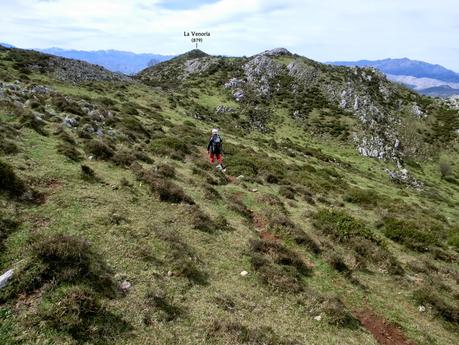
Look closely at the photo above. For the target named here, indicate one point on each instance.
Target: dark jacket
(215, 144)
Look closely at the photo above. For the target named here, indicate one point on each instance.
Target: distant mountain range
(6, 45)
(426, 78)
(113, 60)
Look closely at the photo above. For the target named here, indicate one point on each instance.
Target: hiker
(214, 148)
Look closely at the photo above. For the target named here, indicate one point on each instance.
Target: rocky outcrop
(199, 65)
(259, 72)
(41, 104)
(453, 102)
(402, 176)
(276, 52)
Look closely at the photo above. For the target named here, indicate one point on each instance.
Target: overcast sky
(323, 30)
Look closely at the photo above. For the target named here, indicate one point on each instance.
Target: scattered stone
(125, 286)
(404, 177)
(234, 83)
(244, 273)
(5, 277)
(70, 121)
(222, 109)
(422, 309)
(318, 317)
(238, 95)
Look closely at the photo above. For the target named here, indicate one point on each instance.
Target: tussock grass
(60, 259)
(10, 182)
(277, 266)
(427, 296)
(77, 311)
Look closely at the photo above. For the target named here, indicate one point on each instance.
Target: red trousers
(212, 157)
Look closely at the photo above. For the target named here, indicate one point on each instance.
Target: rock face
(260, 71)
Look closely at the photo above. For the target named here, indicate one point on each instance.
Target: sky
(324, 30)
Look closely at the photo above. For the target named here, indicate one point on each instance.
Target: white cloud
(322, 30)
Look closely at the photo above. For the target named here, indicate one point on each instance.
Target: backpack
(216, 144)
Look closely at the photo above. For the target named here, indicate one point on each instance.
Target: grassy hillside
(120, 231)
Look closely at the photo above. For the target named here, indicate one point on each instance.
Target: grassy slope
(136, 251)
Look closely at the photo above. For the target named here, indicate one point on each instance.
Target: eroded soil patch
(383, 331)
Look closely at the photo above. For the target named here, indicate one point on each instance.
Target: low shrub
(124, 158)
(334, 310)
(243, 335)
(453, 237)
(201, 221)
(9, 182)
(281, 224)
(65, 136)
(427, 296)
(225, 302)
(8, 147)
(77, 311)
(183, 259)
(170, 192)
(210, 192)
(445, 169)
(342, 226)
(409, 233)
(7, 227)
(238, 206)
(368, 251)
(69, 151)
(336, 261)
(287, 192)
(88, 173)
(174, 147)
(273, 200)
(364, 197)
(277, 266)
(60, 259)
(165, 170)
(160, 309)
(29, 119)
(67, 105)
(143, 156)
(100, 149)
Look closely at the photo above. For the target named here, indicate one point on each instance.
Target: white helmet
(215, 131)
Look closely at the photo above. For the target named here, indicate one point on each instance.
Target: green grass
(184, 261)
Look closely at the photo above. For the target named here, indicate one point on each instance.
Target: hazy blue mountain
(113, 60)
(440, 91)
(406, 66)
(6, 45)
(426, 78)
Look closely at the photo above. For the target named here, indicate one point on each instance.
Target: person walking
(215, 149)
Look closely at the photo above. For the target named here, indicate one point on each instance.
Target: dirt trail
(384, 332)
